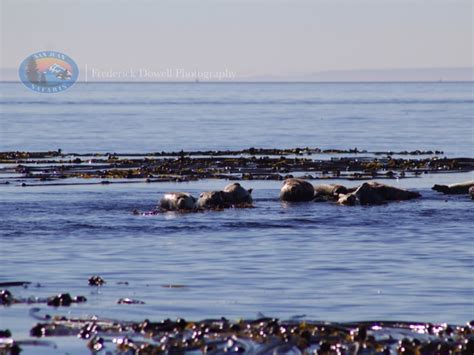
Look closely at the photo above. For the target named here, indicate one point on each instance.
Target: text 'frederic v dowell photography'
(92, 73)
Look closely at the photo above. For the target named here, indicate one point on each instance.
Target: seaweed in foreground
(247, 164)
(62, 299)
(260, 336)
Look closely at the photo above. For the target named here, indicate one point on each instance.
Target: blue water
(151, 117)
(407, 261)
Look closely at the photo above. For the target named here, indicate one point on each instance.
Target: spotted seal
(454, 189)
(173, 201)
(296, 190)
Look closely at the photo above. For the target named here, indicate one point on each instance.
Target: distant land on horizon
(358, 75)
(409, 74)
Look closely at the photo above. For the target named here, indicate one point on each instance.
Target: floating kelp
(262, 336)
(96, 281)
(160, 211)
(35, 168)
(62, 299)
(17, 155)
(129, 301)
(15, 283)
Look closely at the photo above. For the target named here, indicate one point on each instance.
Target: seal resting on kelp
(455, 189)
(235, 194)
(173, 201)
(296, 190)
(374, 193)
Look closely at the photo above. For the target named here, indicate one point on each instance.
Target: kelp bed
(53, 167)
(214, 336)
(259, 336)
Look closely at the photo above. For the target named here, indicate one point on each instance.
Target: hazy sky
(258, 37)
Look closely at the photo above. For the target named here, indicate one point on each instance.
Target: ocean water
(154, 117)
(402, 261)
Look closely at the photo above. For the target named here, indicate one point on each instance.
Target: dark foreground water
(403, 261)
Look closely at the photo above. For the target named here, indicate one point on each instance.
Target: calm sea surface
(154, 117)
(405, 261)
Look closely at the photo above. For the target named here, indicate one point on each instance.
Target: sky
(249, 38)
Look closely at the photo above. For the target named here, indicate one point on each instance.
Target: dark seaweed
(63, 299)
(263, 335)
(96, 281)
(34, 168)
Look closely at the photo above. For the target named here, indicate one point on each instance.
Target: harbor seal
(235, 194)
(211, 199)
(364, 195)
(173, 201)
(373, 193)
(330, 190)
(296, 190)
(454, 189)
(391, 193)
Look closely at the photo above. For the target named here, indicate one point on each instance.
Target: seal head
(177, 201)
